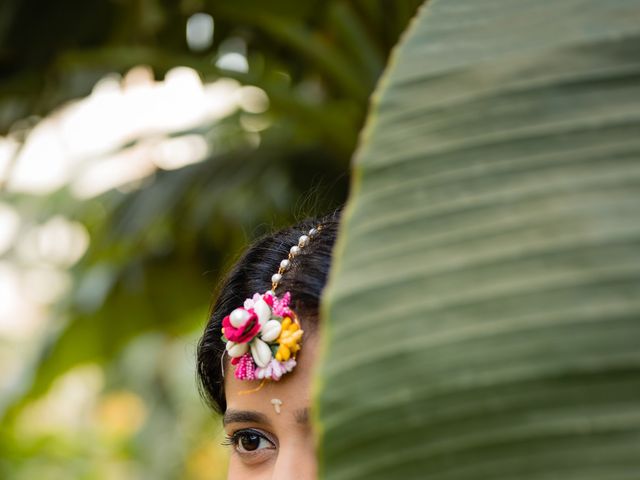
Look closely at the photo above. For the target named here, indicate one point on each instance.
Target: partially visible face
(266, 444)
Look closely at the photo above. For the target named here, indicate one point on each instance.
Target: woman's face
(266, 444)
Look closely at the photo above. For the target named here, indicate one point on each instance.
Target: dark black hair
(305, 279)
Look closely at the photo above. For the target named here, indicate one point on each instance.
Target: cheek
(294, 458)
(297, 457)
(242, 470)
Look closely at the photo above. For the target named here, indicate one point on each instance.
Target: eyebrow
(244, 416)
(249, 416)
(302, 416)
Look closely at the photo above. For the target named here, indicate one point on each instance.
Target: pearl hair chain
(285, 264)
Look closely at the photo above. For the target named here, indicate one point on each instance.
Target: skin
(281, 446)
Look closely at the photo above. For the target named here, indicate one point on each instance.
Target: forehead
(293, 390)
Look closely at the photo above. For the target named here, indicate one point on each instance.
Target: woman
(256, 357)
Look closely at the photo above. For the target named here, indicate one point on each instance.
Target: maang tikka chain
(285, 264)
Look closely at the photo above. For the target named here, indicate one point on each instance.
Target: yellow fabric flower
(289, 340)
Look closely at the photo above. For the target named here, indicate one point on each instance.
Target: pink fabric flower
(250, 302)
(245, 332)
(275, 369)
(281, 306)
(268, 298)
(245, 368)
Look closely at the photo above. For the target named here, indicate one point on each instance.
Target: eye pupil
(250, 441)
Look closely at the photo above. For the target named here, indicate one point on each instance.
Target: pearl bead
(313, 232)
(276, 277)
(295, 250)
(239, 317)
(303, 240)
(284, 264)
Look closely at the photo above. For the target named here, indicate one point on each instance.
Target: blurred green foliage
(140, 294)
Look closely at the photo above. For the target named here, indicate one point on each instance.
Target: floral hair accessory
(263, 337)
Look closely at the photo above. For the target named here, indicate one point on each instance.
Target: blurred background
(143, 143)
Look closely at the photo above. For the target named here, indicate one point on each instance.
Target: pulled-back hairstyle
(305, 279)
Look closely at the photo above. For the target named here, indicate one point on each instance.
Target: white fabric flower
(271, 330)
(260, 352)
(263, 311)
(236, 349)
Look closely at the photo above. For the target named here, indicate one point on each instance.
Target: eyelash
(233, 440)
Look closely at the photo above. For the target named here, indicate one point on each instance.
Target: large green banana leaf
(482, 318)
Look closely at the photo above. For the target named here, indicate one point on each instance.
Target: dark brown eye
(249, 441)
